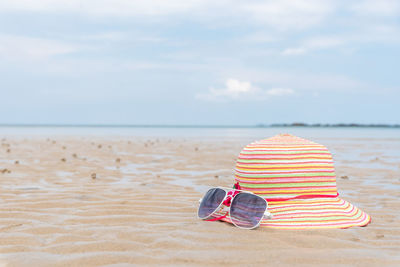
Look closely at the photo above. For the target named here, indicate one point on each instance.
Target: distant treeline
(295, 124)
(300, 124)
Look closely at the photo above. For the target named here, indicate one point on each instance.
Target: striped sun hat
(297, 178)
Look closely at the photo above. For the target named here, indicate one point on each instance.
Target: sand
(116, 201)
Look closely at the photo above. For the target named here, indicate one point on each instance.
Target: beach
(115, 200)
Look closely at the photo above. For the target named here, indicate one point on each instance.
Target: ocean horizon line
(297, 125)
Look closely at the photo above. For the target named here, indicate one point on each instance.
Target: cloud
(382, 8)
(303, 81)
(289, 14)
(294, 51)
(374, 34)
(233, 90)
(104, 7)
(13, 47)
(238, 90)
(281, 15)
(279, 91)
(259, 37)
(316, 43)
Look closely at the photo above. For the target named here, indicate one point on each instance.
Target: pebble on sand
(118, 160)
(74, 155)
(99, 146)
(16, 162)
(8, 150)
(63, 159)
(5, 171)
(93, 175)
(344, 177)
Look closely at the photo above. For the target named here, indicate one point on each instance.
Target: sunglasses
(246, 210)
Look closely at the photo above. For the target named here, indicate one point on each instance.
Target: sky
(199, 62)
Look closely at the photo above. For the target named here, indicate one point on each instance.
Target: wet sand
(115, 201)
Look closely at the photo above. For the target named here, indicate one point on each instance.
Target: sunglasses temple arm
(267, 215)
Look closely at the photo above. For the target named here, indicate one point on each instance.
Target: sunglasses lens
(211, 202)
(247, 210)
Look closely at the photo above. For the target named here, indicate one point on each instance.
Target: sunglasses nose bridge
(229, 198)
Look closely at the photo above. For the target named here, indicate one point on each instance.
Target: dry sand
(116, 201)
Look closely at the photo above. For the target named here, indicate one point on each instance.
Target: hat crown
(286, 166)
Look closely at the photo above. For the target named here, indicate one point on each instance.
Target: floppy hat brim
(315, 213)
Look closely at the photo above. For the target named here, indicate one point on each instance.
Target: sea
(356, 147)
(206, 132)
